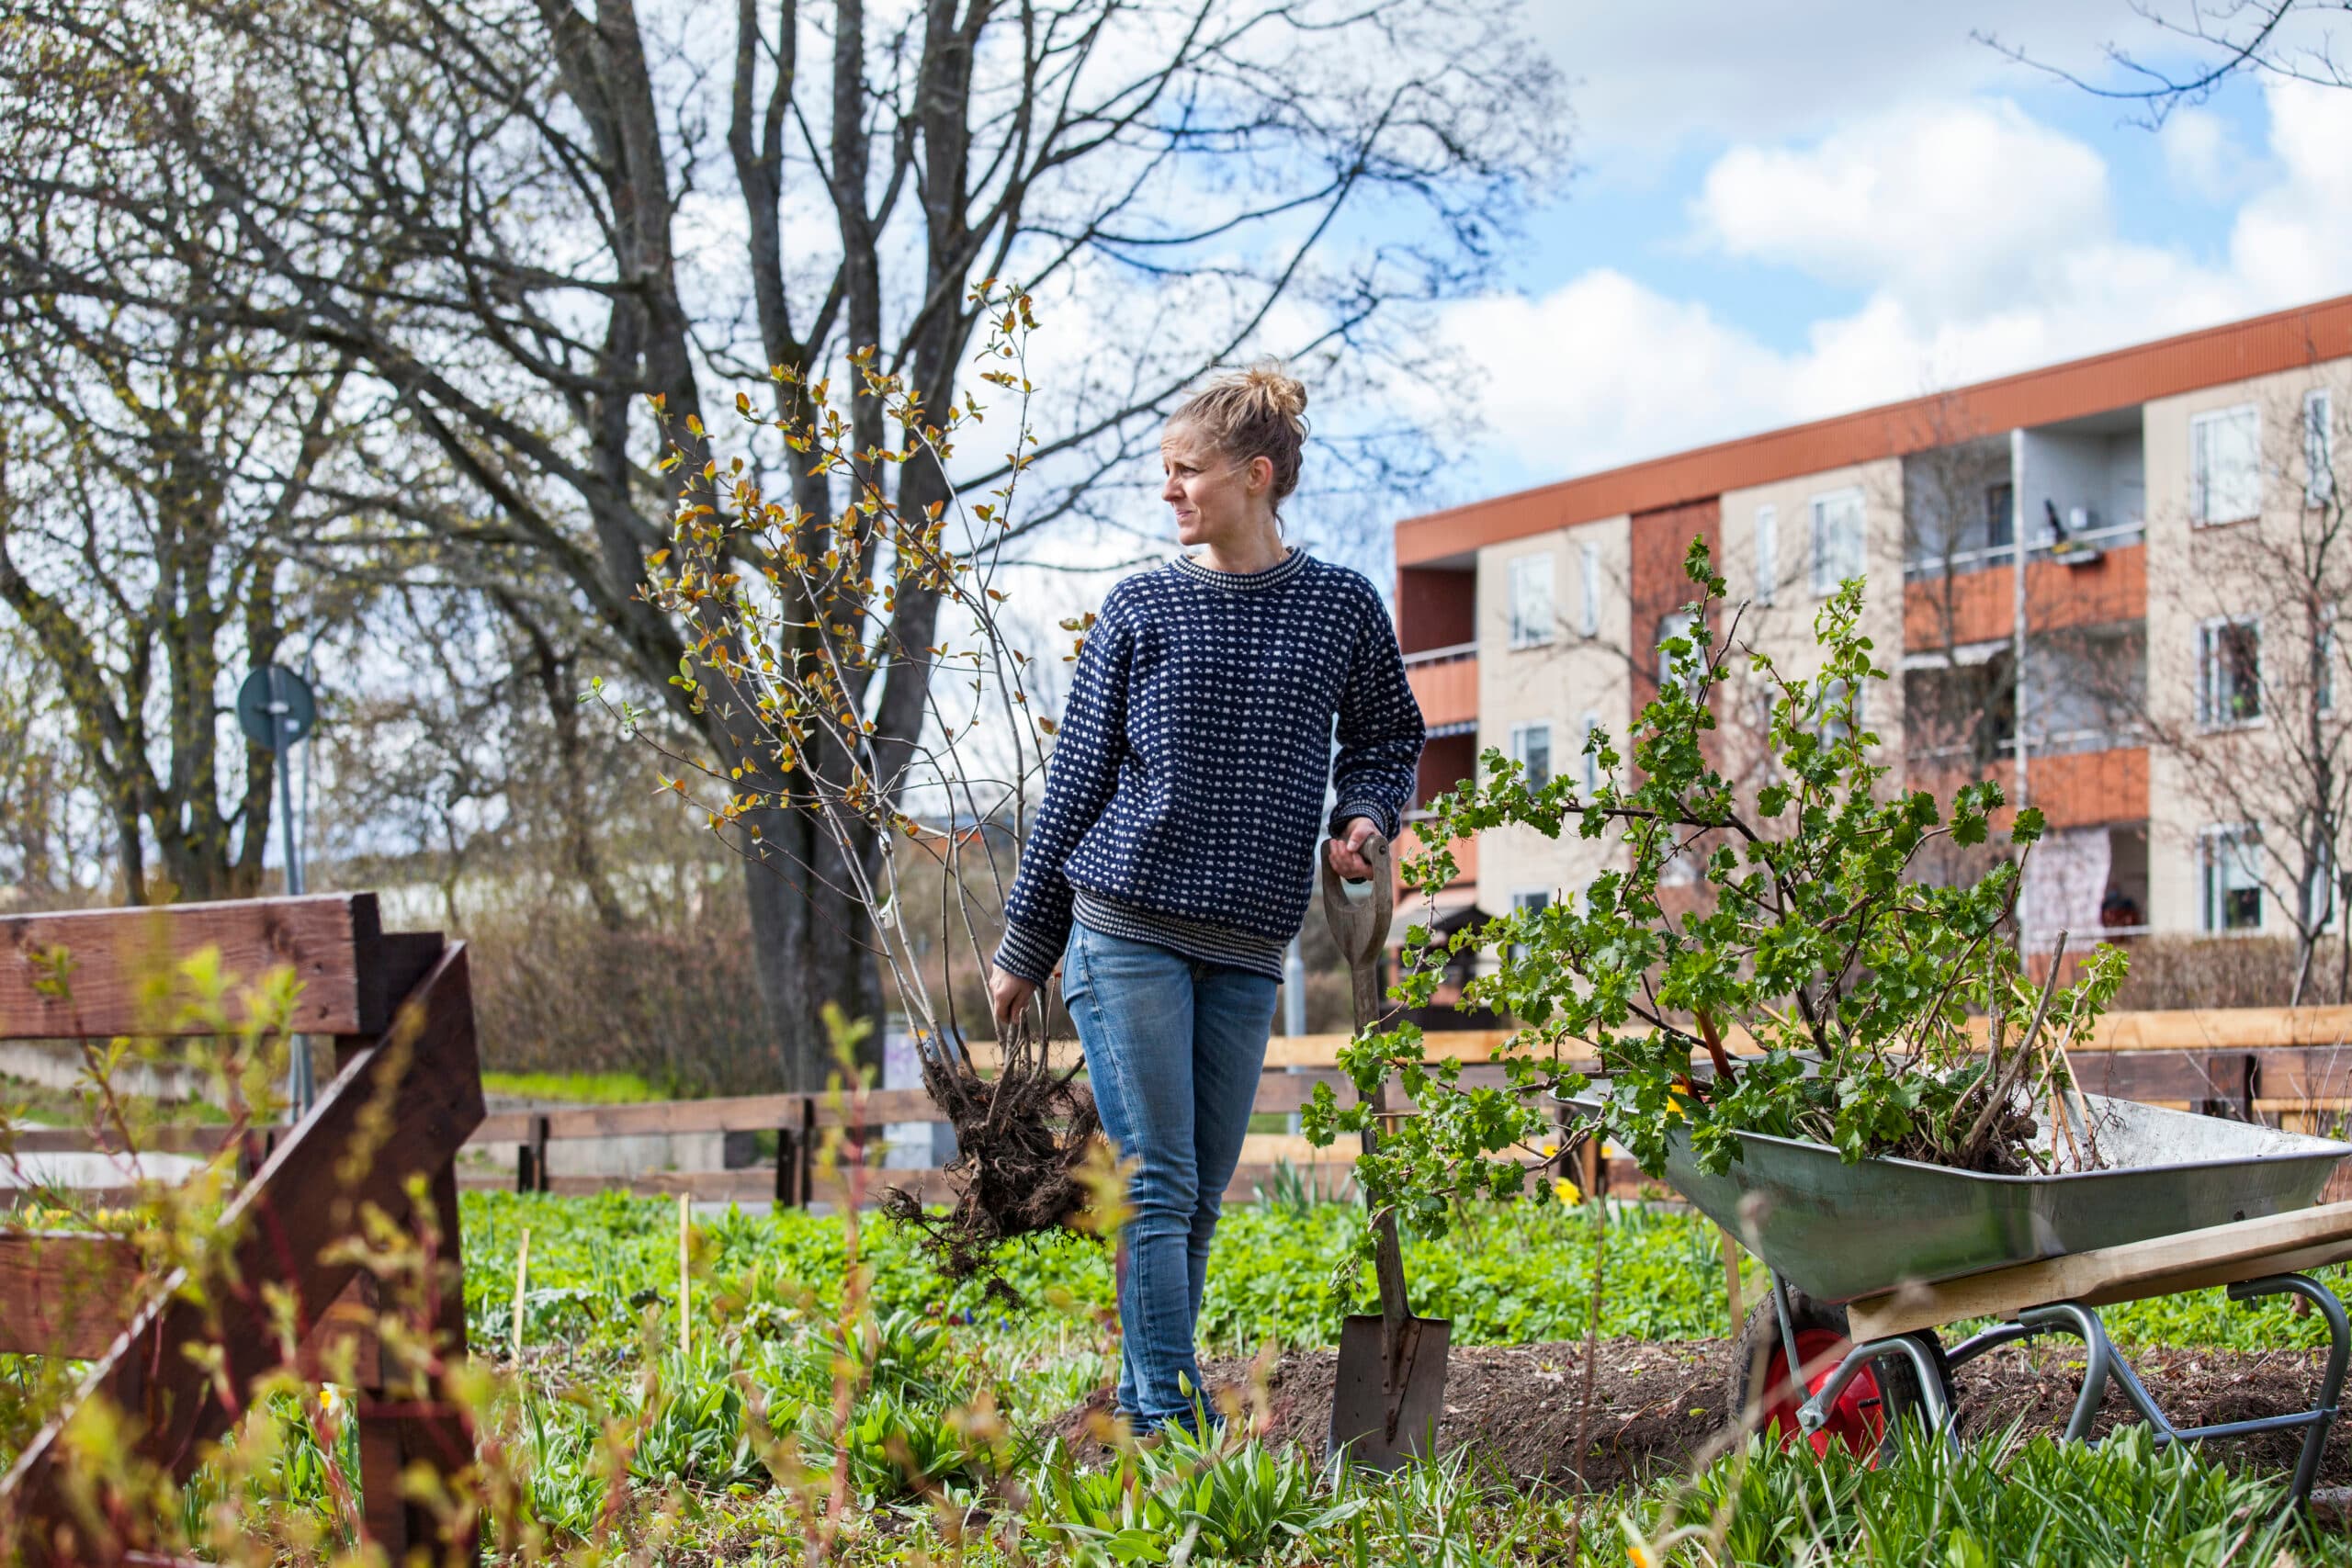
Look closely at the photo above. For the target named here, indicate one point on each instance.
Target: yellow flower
(331, 1399)
(1567, 1192)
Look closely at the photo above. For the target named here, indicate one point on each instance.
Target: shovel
(1391, 1385)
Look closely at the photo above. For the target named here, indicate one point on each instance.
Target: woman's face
(1217, 501)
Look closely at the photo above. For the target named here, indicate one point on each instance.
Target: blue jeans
(1173, 1049)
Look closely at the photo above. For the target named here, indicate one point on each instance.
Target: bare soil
(1658, 1405)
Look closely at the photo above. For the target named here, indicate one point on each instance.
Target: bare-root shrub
(795, 620)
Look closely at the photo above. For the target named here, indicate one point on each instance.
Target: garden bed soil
(1658, 1405)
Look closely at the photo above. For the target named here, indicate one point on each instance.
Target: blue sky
(1786, 210)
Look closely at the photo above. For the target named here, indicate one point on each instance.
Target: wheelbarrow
(1869, 1260)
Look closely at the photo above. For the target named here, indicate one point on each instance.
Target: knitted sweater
(1183, 799)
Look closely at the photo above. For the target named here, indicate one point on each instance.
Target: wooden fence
(2289, 1067)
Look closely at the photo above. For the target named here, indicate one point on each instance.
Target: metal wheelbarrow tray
(1903, 1248)
(1839, 1232)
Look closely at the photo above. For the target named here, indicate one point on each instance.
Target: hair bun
(1282, 393)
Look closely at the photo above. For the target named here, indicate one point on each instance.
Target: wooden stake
(522, 1275)
(1731, 1280)
(685, 1256)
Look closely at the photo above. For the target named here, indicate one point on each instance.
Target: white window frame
(1519, 734)
(1672, 625)
(1523, 898)
(2210, 888)
(2209, 694)
(1768, 552)
(1832, 691)
(1588, 617)
(1827, 575)
(2202, 501)
(2319, 447)
(2324, 698)
(1529, 582)
(1585, 759)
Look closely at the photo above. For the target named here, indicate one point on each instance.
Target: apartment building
(2109, 583)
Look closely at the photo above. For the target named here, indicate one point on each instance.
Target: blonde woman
(1173, 856)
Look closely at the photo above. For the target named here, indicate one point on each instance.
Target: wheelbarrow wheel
(1863, 1419)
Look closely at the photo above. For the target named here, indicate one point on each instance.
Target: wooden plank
(2114, 1273)
(65, 1292)
(196, 1138)
(415, 1101)
(85, 973)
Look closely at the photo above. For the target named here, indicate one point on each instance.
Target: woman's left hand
(1344, 853)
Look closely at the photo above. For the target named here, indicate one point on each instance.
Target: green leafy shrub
(1809, 929)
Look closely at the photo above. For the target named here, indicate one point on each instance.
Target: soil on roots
(1020, 1139)
(1660, 1406)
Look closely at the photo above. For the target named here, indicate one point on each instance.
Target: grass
(946, 1454)
(584, 1089)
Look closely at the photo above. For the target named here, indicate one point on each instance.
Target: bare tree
(157, 445)
(544, 228)
(2218, 39)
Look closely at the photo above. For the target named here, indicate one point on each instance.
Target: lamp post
(275, 708)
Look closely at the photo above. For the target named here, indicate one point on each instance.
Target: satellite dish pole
(275, 708)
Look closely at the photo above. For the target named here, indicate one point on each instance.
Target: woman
(1172, 858)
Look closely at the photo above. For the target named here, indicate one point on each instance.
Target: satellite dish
(275, 707)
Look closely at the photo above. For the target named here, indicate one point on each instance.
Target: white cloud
(1649, 77)
(2201, 153)
(1953, 205)
(1980, 243)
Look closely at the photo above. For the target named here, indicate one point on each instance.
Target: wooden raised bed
(401, 1012)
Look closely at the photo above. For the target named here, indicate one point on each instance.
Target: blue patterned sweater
(1184, 794)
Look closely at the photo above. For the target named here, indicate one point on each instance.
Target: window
(2229, 673)
(1588, 621)
(1834, 726)
(1530, 600)
(1837, 540)
(1530, 748)
(1768, 552)
(2318, 447)
(2000, 516)
(1678, 624)
(1585, 727)
(2224, 466)
(1528, 901)
(2323, 655)
(2233, 878)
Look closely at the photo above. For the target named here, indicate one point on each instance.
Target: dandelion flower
(1567, 1192)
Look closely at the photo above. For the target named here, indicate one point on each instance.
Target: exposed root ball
(1019, 1138)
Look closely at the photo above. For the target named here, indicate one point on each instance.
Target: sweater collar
(1282, 571)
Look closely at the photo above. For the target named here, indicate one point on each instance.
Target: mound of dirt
(1657, 1406)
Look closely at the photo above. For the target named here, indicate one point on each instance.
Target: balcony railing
(2074, 550)
(1446, 655)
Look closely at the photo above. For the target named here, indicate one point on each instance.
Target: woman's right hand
(1008, 996)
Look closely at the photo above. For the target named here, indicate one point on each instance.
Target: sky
(1788, 210)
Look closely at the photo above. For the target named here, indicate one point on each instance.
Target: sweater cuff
(1381, 818)
(1029, 953)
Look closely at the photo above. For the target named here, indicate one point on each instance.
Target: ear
(1260, 473)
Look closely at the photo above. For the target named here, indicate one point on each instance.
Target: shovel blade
(1362, 1395)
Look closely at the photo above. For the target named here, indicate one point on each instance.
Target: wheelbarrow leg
(1813, 1415)
(1787, 1317)
(2331, 1381)
(2099, 1363)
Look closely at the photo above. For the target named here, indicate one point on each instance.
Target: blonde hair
(1257, 412)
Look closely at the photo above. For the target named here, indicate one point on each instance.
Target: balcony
(1445, 684)
(2097, 578)
(2074, 789)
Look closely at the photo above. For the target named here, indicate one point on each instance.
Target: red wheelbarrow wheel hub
(1859, 1417)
